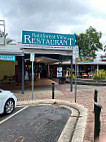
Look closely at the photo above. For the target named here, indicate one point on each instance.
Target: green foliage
(88, 42)
(101, 75)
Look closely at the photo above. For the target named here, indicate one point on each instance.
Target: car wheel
(9, 106)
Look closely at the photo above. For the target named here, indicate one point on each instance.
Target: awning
(44, 60)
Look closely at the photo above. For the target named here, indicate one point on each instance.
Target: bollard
(59, 80)
(97, 120)
(53, 90)
(95, 97)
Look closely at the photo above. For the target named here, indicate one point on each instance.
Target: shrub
(101, 75)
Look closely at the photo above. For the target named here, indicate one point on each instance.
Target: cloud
(63, 16)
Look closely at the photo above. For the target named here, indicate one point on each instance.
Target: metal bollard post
(53, 90)
(97, 120)
(95, 97)
(59, 80)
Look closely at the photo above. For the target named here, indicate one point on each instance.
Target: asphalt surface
(43, 123)
(4, 116)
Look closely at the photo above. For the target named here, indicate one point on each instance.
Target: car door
(1, 103)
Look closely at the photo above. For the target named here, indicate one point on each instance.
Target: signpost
(7, 57)
(76, 55)
(32, 57)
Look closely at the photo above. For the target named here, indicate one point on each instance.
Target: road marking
(21, 138)
(13, 115)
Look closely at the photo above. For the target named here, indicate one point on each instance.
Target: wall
(7, 68)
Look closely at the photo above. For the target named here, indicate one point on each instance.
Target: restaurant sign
(7, 57)
(47, 39)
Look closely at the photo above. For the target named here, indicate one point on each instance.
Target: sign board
(59, 71)
(75, 52)
(7, 57)
(32, 57)
(47, 39)
(84, 59)
(103, 58)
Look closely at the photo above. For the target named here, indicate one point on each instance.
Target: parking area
(34, 123)
(85, 97)
(4, 116)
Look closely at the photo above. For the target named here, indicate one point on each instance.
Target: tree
(88, 42)
(1, 33)
(7, 40)
(105, 48)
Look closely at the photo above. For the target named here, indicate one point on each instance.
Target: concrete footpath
(85, 97)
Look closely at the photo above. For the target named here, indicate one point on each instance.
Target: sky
(55, 16)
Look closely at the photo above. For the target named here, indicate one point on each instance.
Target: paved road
(4, 116)
(42, 123)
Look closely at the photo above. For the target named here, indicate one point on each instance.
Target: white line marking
(13, 115)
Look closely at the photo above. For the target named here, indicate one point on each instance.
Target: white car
(7, 101)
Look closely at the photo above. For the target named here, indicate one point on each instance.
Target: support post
(53, 90)
(71, 78)
(75, 80)
(59, 77)
(48, 70)
(22, 74)
(32, 58)
(32, 78)
(97, 69)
